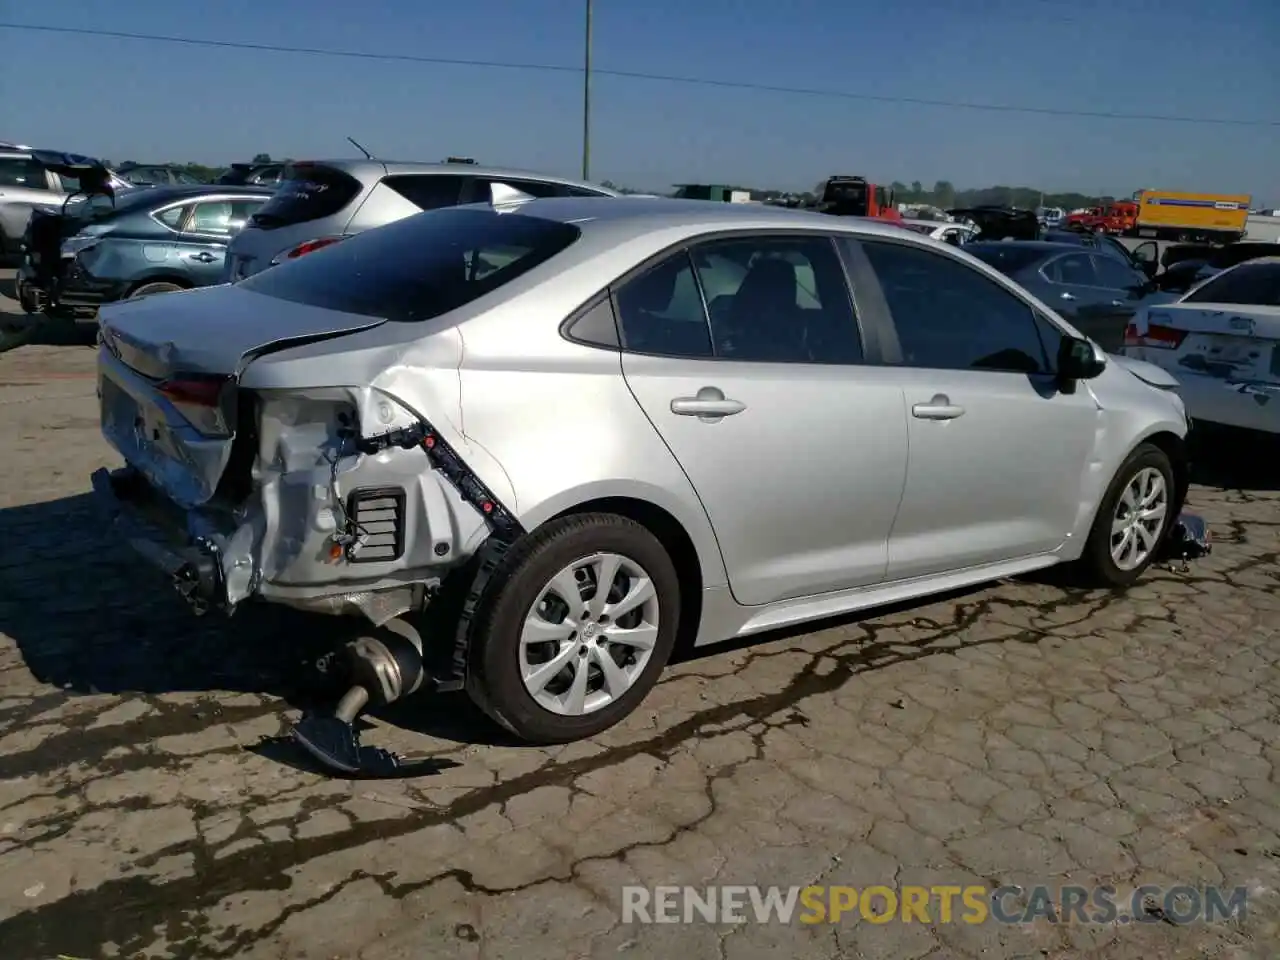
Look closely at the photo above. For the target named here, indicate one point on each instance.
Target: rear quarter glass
(308, 191)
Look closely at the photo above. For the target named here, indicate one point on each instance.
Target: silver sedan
(601, 424)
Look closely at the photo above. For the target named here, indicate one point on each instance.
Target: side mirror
(1079, 359)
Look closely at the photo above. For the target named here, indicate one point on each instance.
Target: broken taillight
(1155, 335)
(199, 400)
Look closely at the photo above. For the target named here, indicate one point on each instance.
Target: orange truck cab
(848, 196)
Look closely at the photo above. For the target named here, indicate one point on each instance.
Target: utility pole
(586, 102)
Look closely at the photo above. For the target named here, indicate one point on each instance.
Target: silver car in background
(321, 202)
(616, 421)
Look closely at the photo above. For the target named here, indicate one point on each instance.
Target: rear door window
(778, 300)
(1075, 269)
(309, 191)
(661, 311)
(418, 268)
(427, 191)
(1114, 275)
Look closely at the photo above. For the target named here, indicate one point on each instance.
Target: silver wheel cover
(1139, 519)
(589, 634)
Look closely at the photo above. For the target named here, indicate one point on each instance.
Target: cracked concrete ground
(1019, 734)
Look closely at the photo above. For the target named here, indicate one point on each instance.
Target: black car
(152, 241)
(1144, 257)
(253, 174)
(1000, 223)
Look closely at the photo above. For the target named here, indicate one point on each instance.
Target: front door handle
(1066, 295)
(709, 405)
(204, 257)
(1119, 303)
(939, 408)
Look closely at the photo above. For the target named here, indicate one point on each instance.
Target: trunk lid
(1237, 342)
(168, 372)
(218, 330)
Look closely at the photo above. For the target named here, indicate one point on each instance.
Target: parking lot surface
(1023, 734)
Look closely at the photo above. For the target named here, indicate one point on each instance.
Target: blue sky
(126, 99)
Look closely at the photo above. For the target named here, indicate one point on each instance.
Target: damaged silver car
(596, 425)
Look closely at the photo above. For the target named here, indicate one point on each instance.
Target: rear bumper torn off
(194, 563)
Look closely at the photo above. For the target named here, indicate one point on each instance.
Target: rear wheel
(1132, 520)
(158, 287)
(577, 630)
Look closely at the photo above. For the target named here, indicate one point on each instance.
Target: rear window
(1007, 258)
(1250, 283)
(307, 192)
(418, 268)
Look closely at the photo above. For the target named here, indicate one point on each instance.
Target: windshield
(1008, 258)
(418, 268)
(1255, 284)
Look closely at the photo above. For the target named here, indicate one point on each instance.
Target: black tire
(1096, 565)
(160, 286)
(493, 678)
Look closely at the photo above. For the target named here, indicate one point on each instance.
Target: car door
(746, 355)
(1076, 291)
(207, 230)
(998, 453)
(1125, 288)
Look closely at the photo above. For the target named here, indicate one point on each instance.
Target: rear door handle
(1119, 303)
(1067, 296)
(204, 257)
(939, 408)
(709, 405)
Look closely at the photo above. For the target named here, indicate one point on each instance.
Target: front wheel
(1132, 520)
(579, 625)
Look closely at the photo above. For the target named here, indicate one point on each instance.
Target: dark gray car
(1097, 292)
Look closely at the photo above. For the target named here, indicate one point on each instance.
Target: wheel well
(177, 281)
(672, 536)
(1175, 448)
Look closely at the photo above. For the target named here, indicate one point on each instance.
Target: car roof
(361, 168)
(648, 214)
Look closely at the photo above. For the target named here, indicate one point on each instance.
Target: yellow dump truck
(1191, 217)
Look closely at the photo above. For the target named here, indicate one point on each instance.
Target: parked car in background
(1190, 264)
(1222, 342)
(1000, 223)
(33, 178)
(726, 353)
(157, 175)
(1050, 216)
(151, 241)
(319, 203)
(253, 174)
(1097, 292)
(956, 234)
(1143, 257)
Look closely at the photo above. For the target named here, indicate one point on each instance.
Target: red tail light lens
(1160, 337)
(198, 399)
(311, 246)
